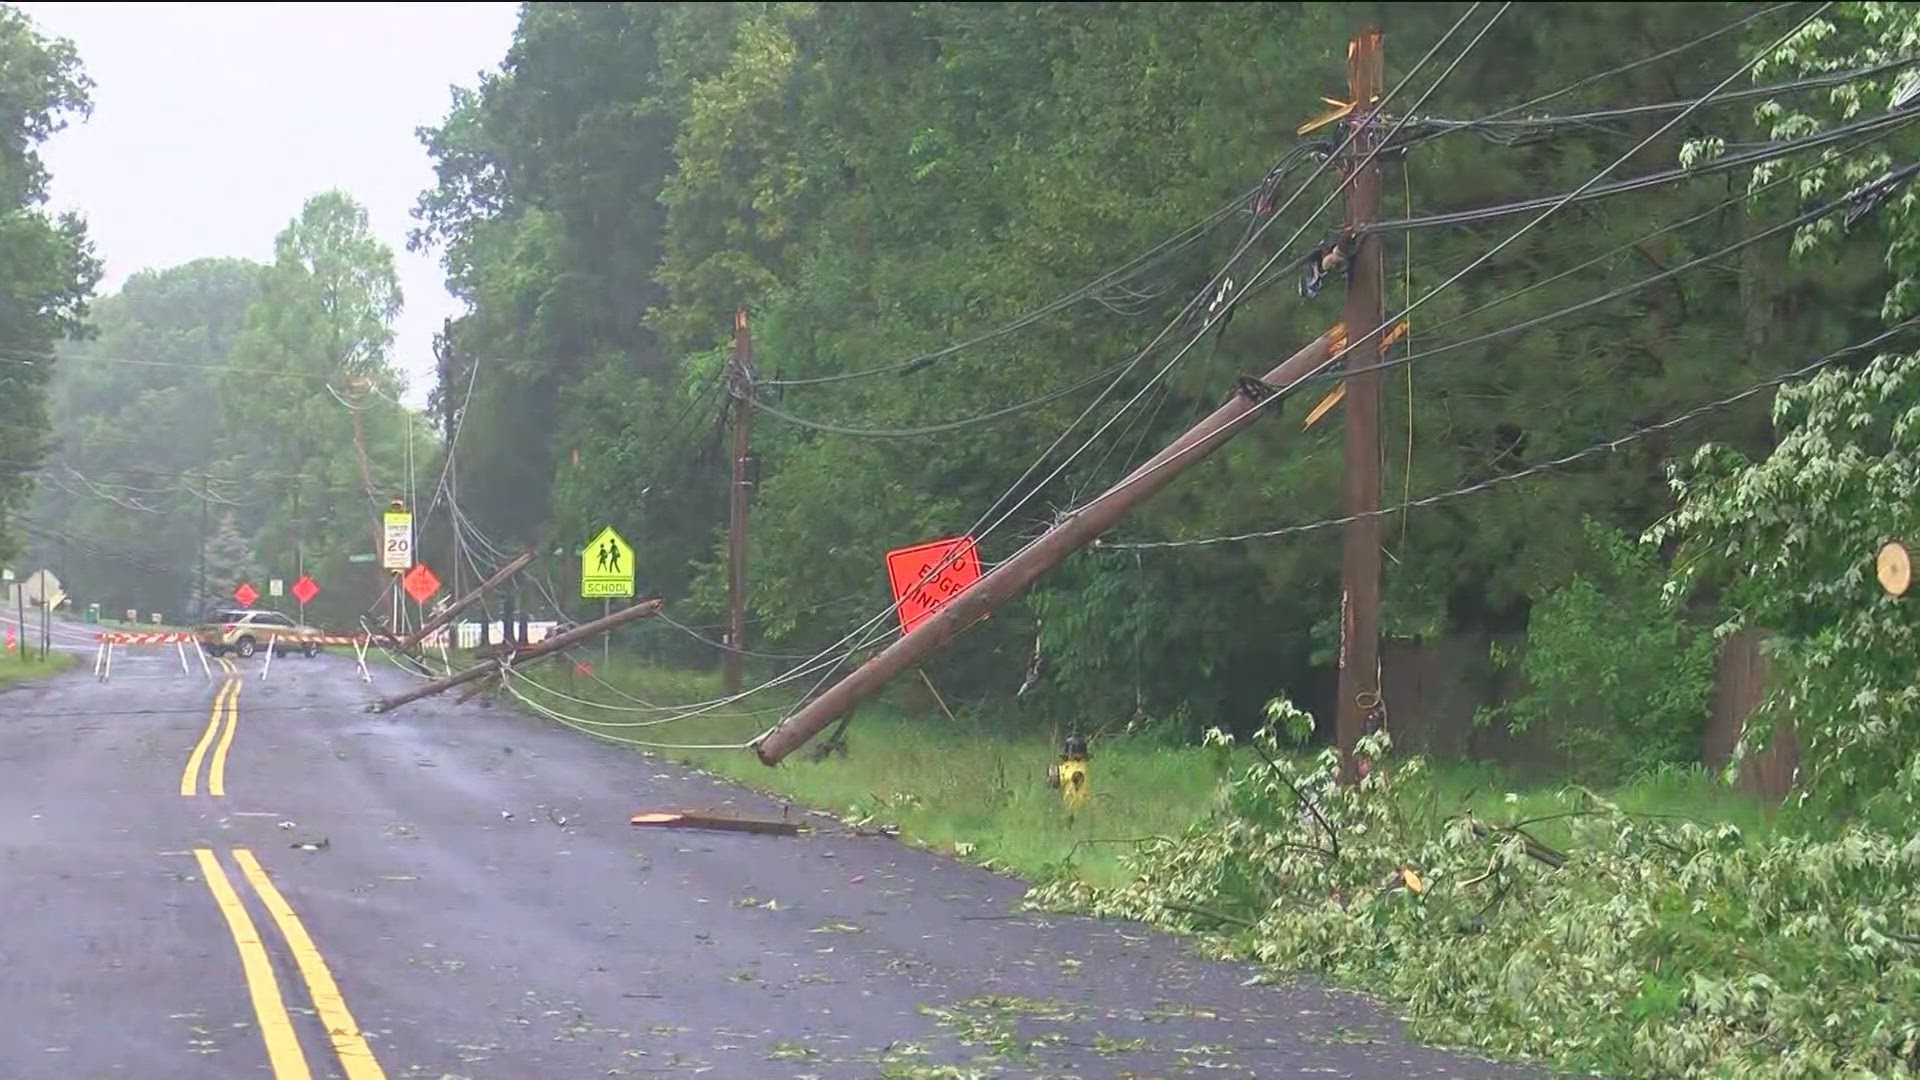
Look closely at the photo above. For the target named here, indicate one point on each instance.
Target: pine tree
(230, 561)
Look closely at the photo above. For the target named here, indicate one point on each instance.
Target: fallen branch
(1214, 915)
(1535, 850)
(1333, 838)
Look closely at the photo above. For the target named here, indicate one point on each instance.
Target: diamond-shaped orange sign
(246, 594)
(305, 589)
(420, 583)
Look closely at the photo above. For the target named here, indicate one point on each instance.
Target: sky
(213, 123)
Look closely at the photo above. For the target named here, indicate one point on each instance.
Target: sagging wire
(1595, 449)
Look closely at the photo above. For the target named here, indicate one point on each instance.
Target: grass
(14, 670)
(977, 790)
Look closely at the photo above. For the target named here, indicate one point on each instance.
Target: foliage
(1795, 536)
(1788, 539)
(1629, 945)
(230, 561)
(47, 268)
(1611, 668)
(139, 434)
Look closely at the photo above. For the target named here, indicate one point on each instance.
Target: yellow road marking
(217, 772)
(190, 776)
(276, 1027)
(356, 1058)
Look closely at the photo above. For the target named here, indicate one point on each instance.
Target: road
(236, 877)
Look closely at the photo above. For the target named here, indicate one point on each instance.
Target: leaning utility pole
(740, 375)
(1078, 530)
(1360, 491)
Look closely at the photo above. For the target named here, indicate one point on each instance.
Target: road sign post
(606, 567)
(304, 590)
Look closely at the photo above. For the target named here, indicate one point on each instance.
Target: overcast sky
(212, 123)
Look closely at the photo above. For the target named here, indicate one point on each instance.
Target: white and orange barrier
(110, 639)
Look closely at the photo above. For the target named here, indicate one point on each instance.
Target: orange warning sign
(917, 602)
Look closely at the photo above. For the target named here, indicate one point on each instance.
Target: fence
(1435, 688)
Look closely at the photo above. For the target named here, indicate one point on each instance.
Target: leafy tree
(138, 432)
(47, 268)
(1789, 538)
(312, 423)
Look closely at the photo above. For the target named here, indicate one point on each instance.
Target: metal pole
(1360, 490)
(1024, 567)
(741, 371)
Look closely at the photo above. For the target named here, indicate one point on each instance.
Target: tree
(136, 440)
(47, 268)
(1788, 539)
(230, 562)
(312, 424)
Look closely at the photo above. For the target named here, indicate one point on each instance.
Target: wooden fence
(1435, 688)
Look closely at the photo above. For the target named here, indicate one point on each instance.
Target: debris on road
(687, 819)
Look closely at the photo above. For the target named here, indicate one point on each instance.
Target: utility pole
(200, 594)
(1078, 530)
(740, 374)
(1360, 490)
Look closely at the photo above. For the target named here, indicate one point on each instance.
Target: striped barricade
(108, 639)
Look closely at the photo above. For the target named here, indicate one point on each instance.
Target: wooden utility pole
(557, 643)
(1360, 491)
(740, 374)
(1078, 530)
(447, 615)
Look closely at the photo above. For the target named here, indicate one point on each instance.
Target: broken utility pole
(1360, 490)
(740, 375)
(513, 567)
(556, 643)
(1024, 567)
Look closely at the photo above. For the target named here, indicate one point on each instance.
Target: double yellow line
(284, 1055)
(226, 707)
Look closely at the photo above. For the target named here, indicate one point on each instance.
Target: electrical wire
(1564, 460)
(1353, 342)
(1590, 192)
(1512, 132)
(1179, 241)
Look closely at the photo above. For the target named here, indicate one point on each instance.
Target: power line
(1514, 132)
(1593, 450)
(1591, 192)
(1260, 405)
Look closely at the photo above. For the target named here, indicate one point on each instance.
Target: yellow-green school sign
(606, 566)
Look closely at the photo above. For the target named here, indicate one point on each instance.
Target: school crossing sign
(606, 566)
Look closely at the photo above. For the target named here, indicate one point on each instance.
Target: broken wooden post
(556, 643)
(513, 567)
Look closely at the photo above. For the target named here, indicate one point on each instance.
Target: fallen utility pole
(740, 373)
(1360, 487)
(1065, 538)
(556, 643)
(513, 567)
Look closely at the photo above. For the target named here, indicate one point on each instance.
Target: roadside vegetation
(14, 670)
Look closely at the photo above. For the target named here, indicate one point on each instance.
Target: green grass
(955, 786)
(13, 669)
(978, 791)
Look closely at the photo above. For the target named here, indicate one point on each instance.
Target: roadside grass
(979, 791)
(957, 786)
(14, 670)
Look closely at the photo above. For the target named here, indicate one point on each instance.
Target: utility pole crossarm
(1023, 568)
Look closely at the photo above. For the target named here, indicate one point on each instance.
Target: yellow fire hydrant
(1069, 774)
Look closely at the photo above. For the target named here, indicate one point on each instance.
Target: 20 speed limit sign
(397, 552)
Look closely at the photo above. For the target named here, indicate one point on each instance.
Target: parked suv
(246, 632)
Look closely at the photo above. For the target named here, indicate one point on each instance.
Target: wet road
(230, 877)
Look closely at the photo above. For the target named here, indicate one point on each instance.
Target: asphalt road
(234, 878)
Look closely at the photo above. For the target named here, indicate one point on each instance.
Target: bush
(1622, 677)
(1599, 939)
